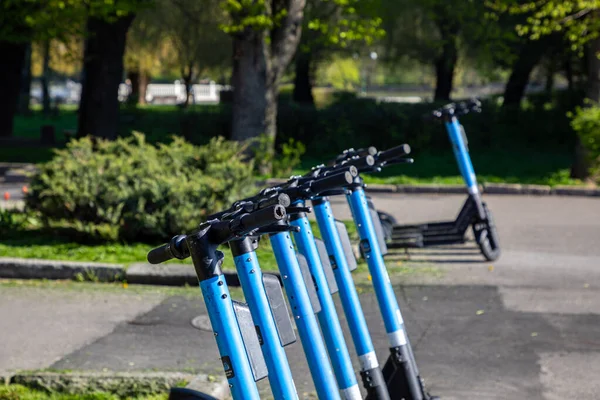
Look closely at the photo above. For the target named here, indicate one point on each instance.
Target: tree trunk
(568, 66)
(259, 60)
(446, 62)
(13, 58)
(529, 56)
(187, 82)
(581, 165)
(102, 74)
(143, 86)
(134, 79)
(25, 95)
(46, 77)
(550, 70)
(251, 95)
(302, 81)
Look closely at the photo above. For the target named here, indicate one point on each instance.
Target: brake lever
(334, 192)
(276, 229)
(297, 210)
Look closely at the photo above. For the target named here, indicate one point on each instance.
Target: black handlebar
(176, 248)
(255, 220)
(393, 153)
(332, 181)
(455, 109)
(220, 232)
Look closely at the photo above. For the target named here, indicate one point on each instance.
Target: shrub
(586, 123)
(148, 191)
(283, 161)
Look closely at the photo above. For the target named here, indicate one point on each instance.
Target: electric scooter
(474, 212)
(400, 372)
(232, 322)
(325, 275)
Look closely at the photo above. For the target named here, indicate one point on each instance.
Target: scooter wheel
(387, 223)
(486, 236)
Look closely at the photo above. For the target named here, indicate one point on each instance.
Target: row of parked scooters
(251, 336)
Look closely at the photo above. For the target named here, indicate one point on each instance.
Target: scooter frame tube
(306, 322)
(370, 370)
(229, 339)
(463, 159)
(328, 319)
(251, 281)
(384, 291)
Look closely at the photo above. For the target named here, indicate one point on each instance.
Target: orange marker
(25, 189)
(6, 195)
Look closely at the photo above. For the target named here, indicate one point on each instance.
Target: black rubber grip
(160, 254)
(260, 218)
(281, 199)
(176, 248)
(338, 169)
(362, 163)
(329, 182)
(394, 152)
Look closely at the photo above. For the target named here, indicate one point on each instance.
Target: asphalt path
(524, 327)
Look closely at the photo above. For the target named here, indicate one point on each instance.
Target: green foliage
(577, 19)
(284, 161)
(288, 157)
(24, 20)
(340, 24)
(147, 191)
(18, 392)
(342, 73)
(586, 123)
(359, 122)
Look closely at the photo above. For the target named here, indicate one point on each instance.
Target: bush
(359, 122)
(586, 123)
(149, 192)
(285, 159)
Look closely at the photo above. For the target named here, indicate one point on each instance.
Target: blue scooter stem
(370, 370)
(229, 339)
(304, 316)
(388, 304)
(330, 324)
(251, 281)
(463, 159)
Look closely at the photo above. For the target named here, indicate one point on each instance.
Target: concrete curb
(139, 273)
(124, 384)
(32, 268)
(489, 188)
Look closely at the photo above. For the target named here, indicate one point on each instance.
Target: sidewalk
(470, 341)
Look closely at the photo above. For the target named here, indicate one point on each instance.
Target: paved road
(527, 328)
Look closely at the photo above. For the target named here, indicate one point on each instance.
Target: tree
(106, 35)
(15, 38)
(265, 37)
(431, 31)
(192, 29)
(145, 41)
(332, 27)
(579, 22)
(102, 73)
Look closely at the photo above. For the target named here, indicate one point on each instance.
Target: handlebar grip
(331, 182)
(160, 254)
(361, 163)
(262, 217)
(393, 153)
(174, 249)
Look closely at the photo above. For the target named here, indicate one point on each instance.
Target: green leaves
(578, 19)
(146, 191)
